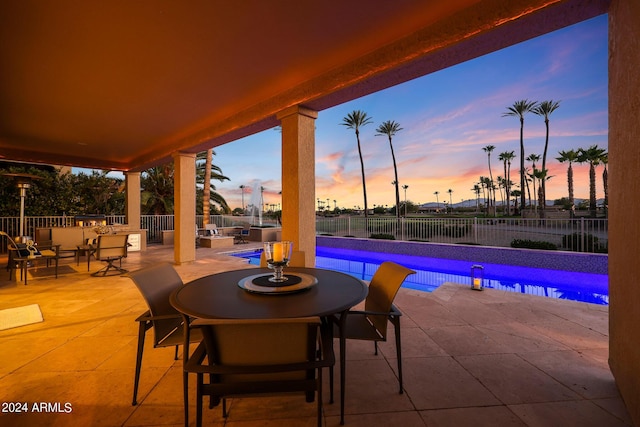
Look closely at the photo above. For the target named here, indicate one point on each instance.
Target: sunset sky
(447, 118)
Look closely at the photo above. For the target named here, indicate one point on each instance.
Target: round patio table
(219, 296)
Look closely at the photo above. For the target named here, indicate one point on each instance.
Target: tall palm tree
(506, 157)
(476, 189)
(390, 128)
(593, 156)
(157, 190)
(488, 149)
(355, 120)
(450, 191)
(533, 158)
(605, 182)
(544, 109)
(206, 190)
(519, 109)
(209, 193)
(569, 156)
(541, 176)
(437, 201)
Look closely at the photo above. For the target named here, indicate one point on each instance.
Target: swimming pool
(433, 272)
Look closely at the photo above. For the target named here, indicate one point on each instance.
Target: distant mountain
(471, 203)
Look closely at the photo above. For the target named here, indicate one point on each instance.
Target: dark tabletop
(219, 296)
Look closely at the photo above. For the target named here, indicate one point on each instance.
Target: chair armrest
(394, 311)
(146, 316)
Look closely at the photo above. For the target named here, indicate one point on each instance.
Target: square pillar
(299, 180)
(624, 207)
(184, 242)
(132, 200)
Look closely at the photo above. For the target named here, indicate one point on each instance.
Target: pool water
(433, 272)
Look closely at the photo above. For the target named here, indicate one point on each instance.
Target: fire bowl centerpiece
(277, 255)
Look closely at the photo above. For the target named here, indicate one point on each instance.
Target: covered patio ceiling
(123, 84)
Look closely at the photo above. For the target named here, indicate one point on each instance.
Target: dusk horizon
(447, 118)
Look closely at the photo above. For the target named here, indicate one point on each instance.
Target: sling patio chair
(371, 323)
(111, 248)
(242, 357)
(156, 283)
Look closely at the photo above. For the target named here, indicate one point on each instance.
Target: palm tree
(206, 190)
(506, 157)
(605, 182)
(476, 189)
(390, 128)
(570, 157)
(593, 156)
(355, 120)
(519, 109)
(450, 191)
(541, 176)
(544, 109)
(533, 158)
(209, 193)
(516, 194)
(157, 190)
(488, 149)
(437, 201)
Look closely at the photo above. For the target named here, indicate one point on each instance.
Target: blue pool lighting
(433, 272)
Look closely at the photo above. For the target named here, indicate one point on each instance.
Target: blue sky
(447, 118)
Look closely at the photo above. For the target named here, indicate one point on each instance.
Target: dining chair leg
(185, 386)
(199, 398)
(319, 396)
(136, 382)
(343, 362)
(326, 323)
(396, 322)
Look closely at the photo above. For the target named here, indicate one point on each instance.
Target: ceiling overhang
(122, 85)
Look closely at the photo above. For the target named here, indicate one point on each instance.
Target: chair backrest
(382, 291)
(156, 283)
(68, 237)
(22, 249)
(297, 259)
(260, 343)
(111, 246)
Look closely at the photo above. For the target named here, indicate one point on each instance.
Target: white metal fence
(580, 234)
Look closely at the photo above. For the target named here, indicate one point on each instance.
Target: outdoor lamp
(477, 276)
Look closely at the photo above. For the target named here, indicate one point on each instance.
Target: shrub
(382, 236)
(533, 244)
(574, 242)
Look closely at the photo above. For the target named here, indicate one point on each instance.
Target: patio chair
(22, 255)
(156, 283)
(297, 259)
(253, 357)
(110, 248)
(370, 324)
(242, 236)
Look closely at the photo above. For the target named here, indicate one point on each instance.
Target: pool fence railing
(577, 234)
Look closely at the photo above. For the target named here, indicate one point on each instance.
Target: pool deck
(490, 358)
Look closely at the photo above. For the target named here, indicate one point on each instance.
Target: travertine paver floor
(470, 358)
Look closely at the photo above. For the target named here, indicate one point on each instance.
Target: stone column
(184, 249)
(624, 207)
(132, 201)
(299, 180)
